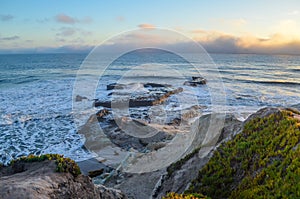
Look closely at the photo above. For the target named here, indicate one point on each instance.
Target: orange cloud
(277, 43)
(145, 25)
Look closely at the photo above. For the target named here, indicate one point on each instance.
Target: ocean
(36, 90)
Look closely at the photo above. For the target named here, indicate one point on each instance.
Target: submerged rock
(79, 98)
(196, 81)
(115, 86)
(150, 95)
(150, 98)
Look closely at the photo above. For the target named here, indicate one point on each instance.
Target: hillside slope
(263, 161)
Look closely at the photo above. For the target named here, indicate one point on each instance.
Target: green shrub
(187, 196)
(261, 162)
(63, 164)
(177, 165)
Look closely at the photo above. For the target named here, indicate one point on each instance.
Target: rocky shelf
(150, 95)
(41, 177)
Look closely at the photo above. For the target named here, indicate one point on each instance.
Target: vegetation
(177, 165)
(187, 196)
(261, 162)
(63, 164)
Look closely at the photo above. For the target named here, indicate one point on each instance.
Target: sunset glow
(231, 27)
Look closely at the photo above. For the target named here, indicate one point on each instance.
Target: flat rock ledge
(40, 180)
(150, 94)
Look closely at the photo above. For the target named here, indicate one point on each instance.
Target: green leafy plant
(63, 164)
(187, 196)
(177, 165)
(261, 162)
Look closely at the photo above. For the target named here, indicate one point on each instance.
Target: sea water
(36, 115)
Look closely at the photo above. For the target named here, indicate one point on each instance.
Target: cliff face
(260, 162)
(41, 180)
(256, 158)
(179, 175)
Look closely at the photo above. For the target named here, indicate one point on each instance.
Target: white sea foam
(36, 103)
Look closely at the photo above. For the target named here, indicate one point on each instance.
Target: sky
(232, 26)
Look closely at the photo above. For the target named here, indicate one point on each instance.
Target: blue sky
(258, 26)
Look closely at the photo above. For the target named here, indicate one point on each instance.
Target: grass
(185, 196)
(177, 165)
(261, 162)
(63, 164)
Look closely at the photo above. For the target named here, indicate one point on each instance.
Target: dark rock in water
(155, 85)
(40, 180)
(151, 98)
(80, 98)
(115, 86)
(196, 81)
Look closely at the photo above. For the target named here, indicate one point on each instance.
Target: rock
(79, 98)
(155, 85)
(110, 193)
(136, 186)
(121, 135)
(95, 173)
(196, 81)
(231, 127)
(187, 168)
(157, 138)
(264, 112)
(175, 121)
(39, 180)
(103, 112)
(256, 163)
(115, 86)
(155, 146)
(92, 166)
(153, 97)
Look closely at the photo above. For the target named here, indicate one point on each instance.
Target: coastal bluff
(258, 157)
(38, 177)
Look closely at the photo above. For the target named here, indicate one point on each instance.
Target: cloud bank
(6, 17)
(218, 42)
(71, 40)
(9, 38)
(65, 19)
(146, 25)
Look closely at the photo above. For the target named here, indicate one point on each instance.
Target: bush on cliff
(186, 196)
(63, 164)
(261, 162)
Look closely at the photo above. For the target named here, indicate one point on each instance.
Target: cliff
(50, 176)
(260, 162)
